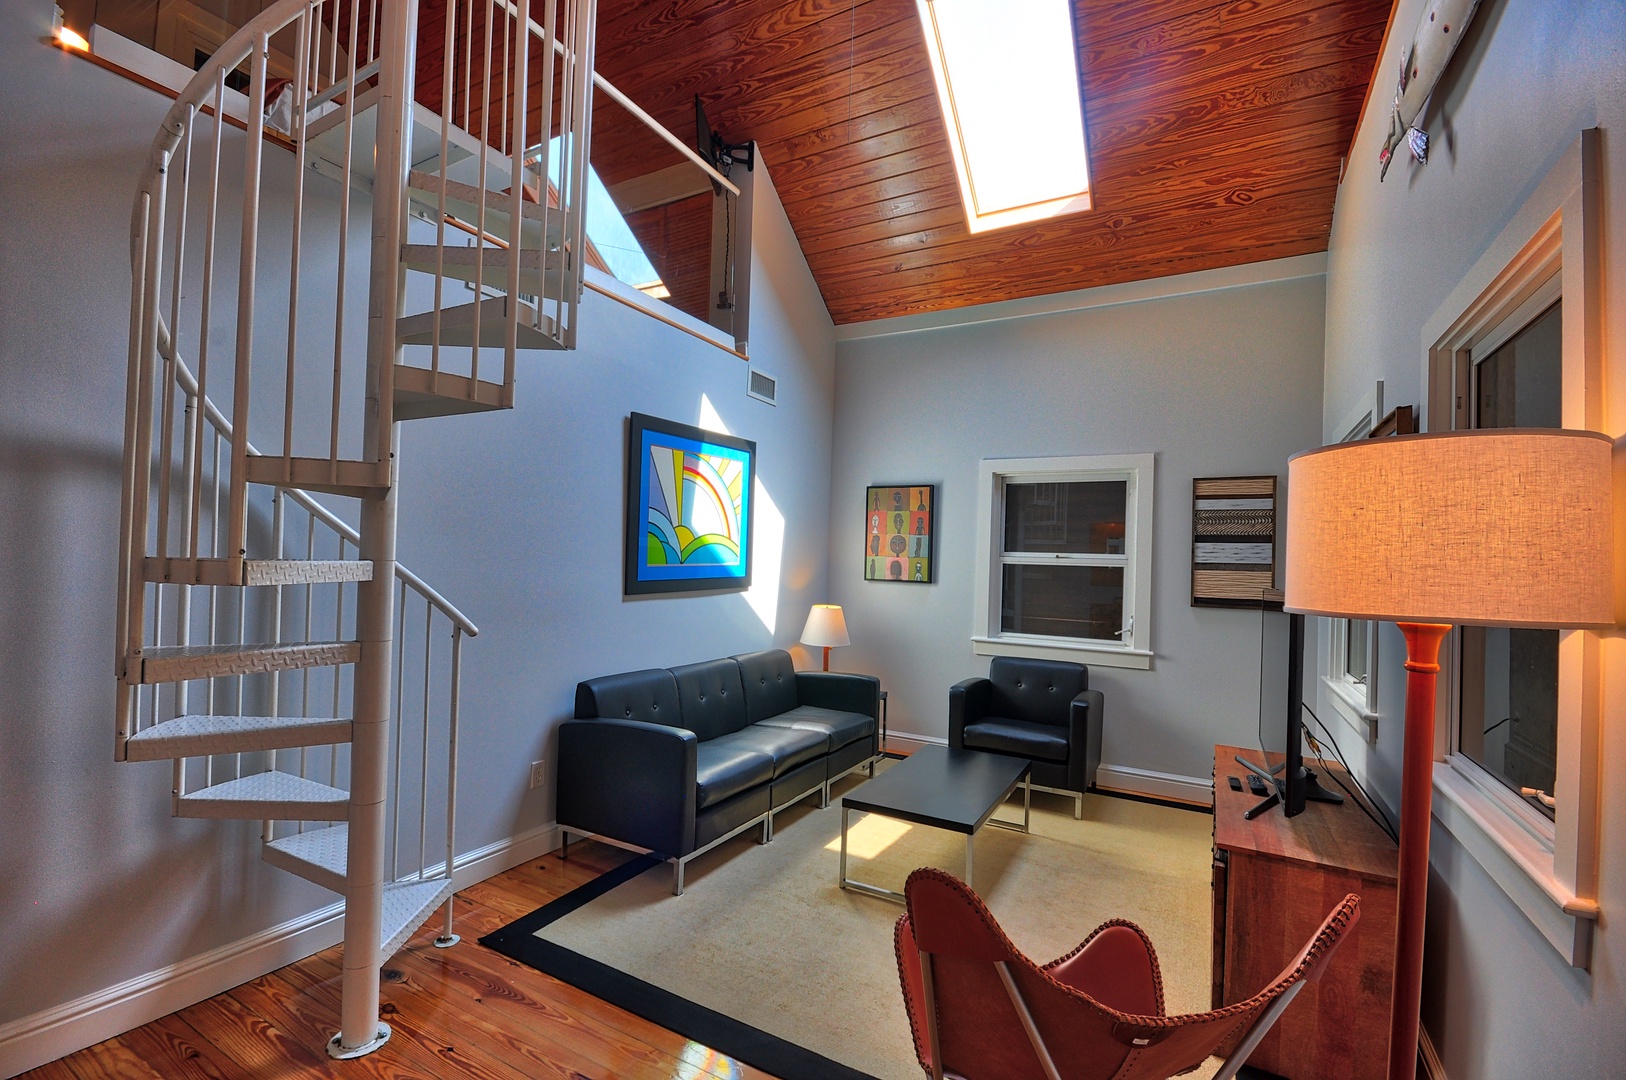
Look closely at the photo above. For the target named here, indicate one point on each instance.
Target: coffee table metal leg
(970, 843)
(842, 880)
(1027, 805)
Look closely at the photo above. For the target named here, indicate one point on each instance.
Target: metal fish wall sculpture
(1438, 31)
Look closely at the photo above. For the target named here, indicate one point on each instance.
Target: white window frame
(1550, 249)
(1134, 650)
(1351, 699)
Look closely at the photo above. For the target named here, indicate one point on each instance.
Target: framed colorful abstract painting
(900, 533)
(688, 508)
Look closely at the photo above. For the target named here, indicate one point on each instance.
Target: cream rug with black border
(765, 959)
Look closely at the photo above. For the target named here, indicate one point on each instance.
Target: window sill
(1103, 655)
(1351, 705)
(1519, 863)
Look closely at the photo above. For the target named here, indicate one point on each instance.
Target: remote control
(1256, 784)
(1236, 783)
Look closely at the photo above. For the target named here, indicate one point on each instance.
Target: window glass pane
(1509, 718)
(1355, 650)
(1510, 706)
(1063, 601)
(1084, 517)
(1519, 384)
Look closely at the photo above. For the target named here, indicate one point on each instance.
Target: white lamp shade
(1498, 527)
(826, 628)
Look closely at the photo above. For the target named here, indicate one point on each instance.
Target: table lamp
(1497, 527)
(825, 628)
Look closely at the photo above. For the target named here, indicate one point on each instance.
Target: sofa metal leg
(767, 830)
(872, 768)
(677, 877)
(1078, 806)
(824, 795)
(564, 843)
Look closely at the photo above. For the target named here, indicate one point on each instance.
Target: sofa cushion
(650, 696)
(786, 746)
(842, 728)
(1020, 737)
(710, 697)
(724, 769)
(1035, 691)
(770, 683)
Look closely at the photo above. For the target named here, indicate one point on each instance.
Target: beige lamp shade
(826, 628)
(1503, 527)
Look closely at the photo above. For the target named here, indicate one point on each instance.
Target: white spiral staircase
(270, 646)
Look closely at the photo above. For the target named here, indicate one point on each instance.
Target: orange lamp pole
(1416, 798)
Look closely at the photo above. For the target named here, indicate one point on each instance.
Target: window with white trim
(1064, 549)
(1350, 646)
(1518, 344)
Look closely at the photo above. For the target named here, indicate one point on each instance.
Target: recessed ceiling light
(1008, 82)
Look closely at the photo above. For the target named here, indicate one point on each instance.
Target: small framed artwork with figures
(900, 533)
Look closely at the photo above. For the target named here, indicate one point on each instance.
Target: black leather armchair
(1043, 710)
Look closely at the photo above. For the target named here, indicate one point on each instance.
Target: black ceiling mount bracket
(721, 155)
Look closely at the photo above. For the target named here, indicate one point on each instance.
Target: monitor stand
(1313, 791)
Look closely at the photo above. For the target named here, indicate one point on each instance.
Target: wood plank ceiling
(1216, 130)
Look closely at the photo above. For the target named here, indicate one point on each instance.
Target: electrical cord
(1365, 801)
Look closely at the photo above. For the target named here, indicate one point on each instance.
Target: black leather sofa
(1042, 710)
(677, 761)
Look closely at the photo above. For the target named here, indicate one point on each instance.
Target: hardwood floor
(459, 1012)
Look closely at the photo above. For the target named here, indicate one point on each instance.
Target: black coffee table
(957, 790)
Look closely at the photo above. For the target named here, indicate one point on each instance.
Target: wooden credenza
(1275, 880)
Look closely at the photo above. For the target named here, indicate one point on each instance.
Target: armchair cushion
(723, 769)
(1034, 691)
(1021, 738)
(840, 728)
(711, 697)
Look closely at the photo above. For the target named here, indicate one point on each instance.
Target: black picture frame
(708, 485)
(906, 555)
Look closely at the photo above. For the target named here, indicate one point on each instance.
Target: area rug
(764, 958)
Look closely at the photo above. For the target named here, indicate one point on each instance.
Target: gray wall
(515, 517)
(1499, 1002)
(1215, 383)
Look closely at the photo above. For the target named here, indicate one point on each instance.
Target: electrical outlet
(539, 773)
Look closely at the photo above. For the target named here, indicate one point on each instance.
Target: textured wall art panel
(1233, 540)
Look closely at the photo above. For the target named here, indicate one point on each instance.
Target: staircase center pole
(360, 1029)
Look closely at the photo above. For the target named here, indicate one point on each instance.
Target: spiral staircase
(322, 249)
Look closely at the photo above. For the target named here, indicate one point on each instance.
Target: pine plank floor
(459, 1012)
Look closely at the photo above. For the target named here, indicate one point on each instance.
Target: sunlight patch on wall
(768, 548)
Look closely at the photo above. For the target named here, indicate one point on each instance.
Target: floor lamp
(1499, 527)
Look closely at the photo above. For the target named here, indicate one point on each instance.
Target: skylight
(1007, 79)
(609, 232)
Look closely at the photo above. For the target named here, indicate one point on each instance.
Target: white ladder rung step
(407, 906)
(198, 736)
(257, 571)
(457, 325)
(318, 855)
(182, 663)
(490, 266)
(420, 392)
(463, 203)
(279, 796)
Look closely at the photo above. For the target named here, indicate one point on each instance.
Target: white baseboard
(1155, 785)
(33, 1040)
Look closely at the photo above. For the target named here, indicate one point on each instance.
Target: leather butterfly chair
(980, 1010)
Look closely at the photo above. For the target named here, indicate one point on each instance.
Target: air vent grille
(762, 386)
